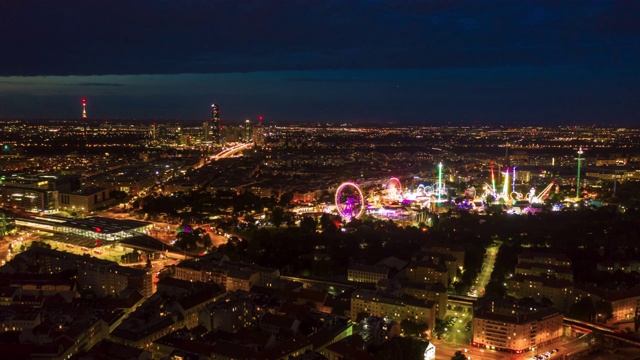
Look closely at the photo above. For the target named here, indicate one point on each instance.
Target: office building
(247, 130)
(215, 125)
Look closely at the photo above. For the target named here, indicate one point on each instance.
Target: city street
(5, 252)
(484, 276)
(458, 334)
(11, 244)
(446, 349)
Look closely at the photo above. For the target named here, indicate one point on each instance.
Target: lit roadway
(164, 231)
(457, 334)
(458, 338)
(485, 273)
(231, 151)
(445, 350)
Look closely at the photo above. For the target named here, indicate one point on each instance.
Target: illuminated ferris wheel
(394, 189)
(350, 200)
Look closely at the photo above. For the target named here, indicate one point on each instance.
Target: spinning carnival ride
(394, 190)
(390, 201)
(393, 201)
(508, 195)
(350, 200)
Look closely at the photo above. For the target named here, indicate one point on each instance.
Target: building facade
(515, 329)
(385, 306)
(366, 273)
(86, 200)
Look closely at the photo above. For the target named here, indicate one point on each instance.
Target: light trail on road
(231, 151)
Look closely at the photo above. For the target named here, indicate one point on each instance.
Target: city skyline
(570, 63)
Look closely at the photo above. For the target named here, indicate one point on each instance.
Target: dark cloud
(329, 80)
(79, 37)
(430, 61)
(14, 82)
(98, 84)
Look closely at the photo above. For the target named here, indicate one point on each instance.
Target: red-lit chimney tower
(84, 108)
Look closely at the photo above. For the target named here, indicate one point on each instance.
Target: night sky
(427, 62)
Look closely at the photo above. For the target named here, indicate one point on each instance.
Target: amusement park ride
(394, 201)
(510, 196)
(350, 201)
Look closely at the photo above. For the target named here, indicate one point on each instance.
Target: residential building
(233, 276)
(514, 328)
(559, 291)
(625, 303)
(542, 258)
(366, 273)
(397, 308)
(105, 278)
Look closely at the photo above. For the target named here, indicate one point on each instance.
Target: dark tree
(206, 241)
(583, 310)
(439, 328)
(402, 348)
(603, 310)
(495, 289)
(327, 223)
(459, 355)
(289, 218)
(250, 220)
(361, 316)
(277, 216)
(460, 288)
(186, 240)
(413, 328)
(117, 194)
(308, 224)
(234, 248)
(39, 244)
(285, 199)
(190, 239)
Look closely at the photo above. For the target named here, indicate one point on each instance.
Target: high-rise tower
(247, 130)
(154, 131)
(206, 131)
(580, 159)
(215, 124)
(259, 133)
(84, 123)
